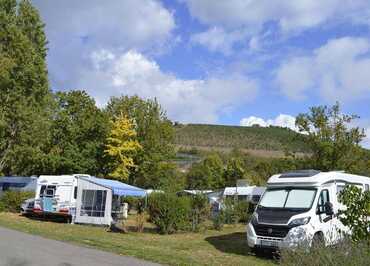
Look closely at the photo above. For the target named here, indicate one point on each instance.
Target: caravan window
(93, 203)
(366, 187)
(47, 191)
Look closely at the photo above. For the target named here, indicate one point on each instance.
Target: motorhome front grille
(271, 230)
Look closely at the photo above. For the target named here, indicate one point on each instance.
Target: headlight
(300, 221)
(254, 218)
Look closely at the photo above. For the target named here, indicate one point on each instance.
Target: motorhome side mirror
(328, 208)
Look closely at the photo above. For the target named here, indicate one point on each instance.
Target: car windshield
(288, 198)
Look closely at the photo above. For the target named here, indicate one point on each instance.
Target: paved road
(20, 249)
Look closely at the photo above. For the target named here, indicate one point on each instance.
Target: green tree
(79, 130)
(234, 171)
(333, 143)
(208, 174)
(357, 211)
(154, 133)
(122, 146)
(25, 98)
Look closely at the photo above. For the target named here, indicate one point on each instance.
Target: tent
(98, 200)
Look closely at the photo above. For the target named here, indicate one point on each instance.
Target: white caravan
(300, 207)
(56, 194)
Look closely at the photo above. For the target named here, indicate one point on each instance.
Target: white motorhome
(56, 194)
(300, 207)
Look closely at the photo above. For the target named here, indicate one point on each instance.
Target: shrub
(346, 253)
(11, 200)
(218, 220)
(200, 211)
(140, 220)
(242, 211)
(356, 214)
(169, 212)
(230, 211)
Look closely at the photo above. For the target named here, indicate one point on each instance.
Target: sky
(232, 62)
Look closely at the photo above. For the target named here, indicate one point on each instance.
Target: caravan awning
(118, 188)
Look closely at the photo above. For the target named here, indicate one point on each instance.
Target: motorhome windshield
(291, 198)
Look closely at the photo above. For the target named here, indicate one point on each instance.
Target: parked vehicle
(301, 208)
(27, 207)
(56, 195)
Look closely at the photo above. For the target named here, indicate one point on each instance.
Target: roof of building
(118, 188)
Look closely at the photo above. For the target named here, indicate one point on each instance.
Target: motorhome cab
(56, 195)
(300, 207)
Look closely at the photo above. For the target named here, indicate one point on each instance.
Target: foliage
(333, 142)
(207, 174)
(169, 212)
(24, 90)
(165, 176)
(11, 201)
(200, 211)
(79, 130)
(234, 171)
(122, 146)
(218, 220)
(357, 211)
(154, 133)
(140, 221)
(346, 253)
(256, 138)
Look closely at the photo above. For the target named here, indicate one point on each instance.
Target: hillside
(270, 139)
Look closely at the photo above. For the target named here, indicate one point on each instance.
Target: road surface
(20, 249)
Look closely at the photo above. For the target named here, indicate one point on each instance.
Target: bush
(242, 211)
(346, 253)
(140, 220)
(218, 220)
(11, 200)
(169, 212)
(200, 211)
(356, 214)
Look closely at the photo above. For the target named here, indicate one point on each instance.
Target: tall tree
(122, 146)
(24, 90)
(208, 174)
(79, 130)
(333, 142)
(154, 133)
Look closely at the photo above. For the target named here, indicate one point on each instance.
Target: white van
(56, 194)
(300, 207)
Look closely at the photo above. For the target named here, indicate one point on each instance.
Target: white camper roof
(243, 191)
(315, 178)
(58, 179)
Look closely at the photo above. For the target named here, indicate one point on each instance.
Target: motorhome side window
(75, 193)
(324, 197)
(366, 187)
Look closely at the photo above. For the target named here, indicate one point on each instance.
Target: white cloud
(198, 100)
(216, 39)
(282, 120)
(339, 70)
(75, 29)
(290, 15)
(250, 17)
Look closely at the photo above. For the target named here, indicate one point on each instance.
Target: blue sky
(206, 61)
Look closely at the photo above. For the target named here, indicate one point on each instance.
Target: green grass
(227, 247)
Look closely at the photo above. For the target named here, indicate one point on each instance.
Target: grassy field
(227, 247)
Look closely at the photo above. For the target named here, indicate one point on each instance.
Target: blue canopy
(118, 188)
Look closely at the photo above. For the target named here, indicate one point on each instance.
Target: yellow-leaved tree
(122, 146)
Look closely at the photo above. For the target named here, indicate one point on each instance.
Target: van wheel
(318, 241)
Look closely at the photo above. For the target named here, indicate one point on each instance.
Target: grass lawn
(226, 247)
